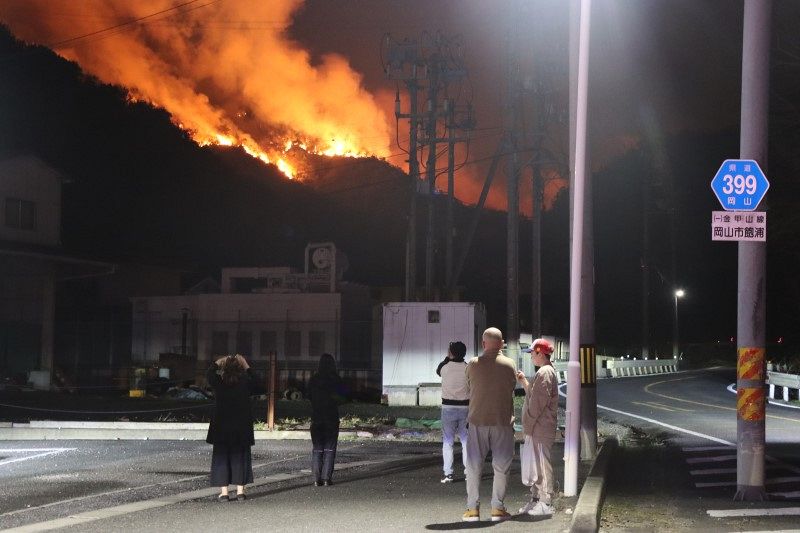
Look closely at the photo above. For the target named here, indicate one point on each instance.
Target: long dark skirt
(231, 465)
(324, 437)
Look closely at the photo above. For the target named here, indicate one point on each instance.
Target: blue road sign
(740, 185)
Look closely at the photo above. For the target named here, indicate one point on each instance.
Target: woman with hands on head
(231, 427)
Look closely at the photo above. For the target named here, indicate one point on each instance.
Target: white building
(256, 311)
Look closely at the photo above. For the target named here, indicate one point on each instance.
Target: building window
(219, 343)
(244, 343)
(433, 317)
(20, 214)
(316, 343)
(269, 343)
(292, 343)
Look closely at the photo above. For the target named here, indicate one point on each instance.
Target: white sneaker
(448, 478)
(541, 509)
(528, 506)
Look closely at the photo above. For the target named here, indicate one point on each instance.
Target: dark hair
(458, 349)
(327, 365)
(232, 371)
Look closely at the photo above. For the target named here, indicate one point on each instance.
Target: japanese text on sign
(728, 226)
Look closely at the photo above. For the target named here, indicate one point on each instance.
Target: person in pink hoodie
(539, 419)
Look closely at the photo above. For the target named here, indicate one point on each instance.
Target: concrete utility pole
(514, 134)
(451, 167)
(588, 430)
(645, 260)
(573, 414)
(413, 174)
(750, 370)
(432, 113)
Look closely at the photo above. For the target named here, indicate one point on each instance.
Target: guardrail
(635, 367)
(609, 367)
(785, 381)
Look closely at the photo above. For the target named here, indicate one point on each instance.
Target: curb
(131, 431)
(586, 516)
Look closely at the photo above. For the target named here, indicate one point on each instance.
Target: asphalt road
(163, 486)
(679, 470)
(697, 402)
(43, 480)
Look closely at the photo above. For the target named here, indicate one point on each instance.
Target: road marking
(39, 452)
(715, 459)
(711, 471)
(774, 481)
(654, 406)
(656, 422)
(647, 390)
(673, 407)
(704, 448)
(120, 510)
(791, 494)
(739, 513)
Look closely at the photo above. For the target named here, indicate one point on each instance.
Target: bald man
(491, 379)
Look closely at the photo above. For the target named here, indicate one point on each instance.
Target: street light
(679, 293)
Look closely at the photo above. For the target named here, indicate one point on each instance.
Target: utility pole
(536, 245)
(430, 63)
(451, 167)
(432, 115)
(588, 378)
(752, 262)
(573, 412)
(413, 174)
(514, 133)
(645, 267)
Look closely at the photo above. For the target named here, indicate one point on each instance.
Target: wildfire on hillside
(206, 61)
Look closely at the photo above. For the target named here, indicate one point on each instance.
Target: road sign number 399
(740, 184)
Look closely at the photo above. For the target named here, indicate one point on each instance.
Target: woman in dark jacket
(325, 391)
(231, 427)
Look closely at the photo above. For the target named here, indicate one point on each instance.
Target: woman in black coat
(231, 427)
(326, 393)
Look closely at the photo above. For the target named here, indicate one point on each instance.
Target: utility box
(415, 338)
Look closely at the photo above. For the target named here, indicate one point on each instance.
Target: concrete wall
(30, 179)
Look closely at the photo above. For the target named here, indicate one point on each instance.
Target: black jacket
(232, 421)
(326, 392)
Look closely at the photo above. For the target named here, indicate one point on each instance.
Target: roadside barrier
(608, 367)
(785, 381)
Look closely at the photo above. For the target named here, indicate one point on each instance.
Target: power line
(127, 23)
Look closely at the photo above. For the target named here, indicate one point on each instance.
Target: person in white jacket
(455, 405)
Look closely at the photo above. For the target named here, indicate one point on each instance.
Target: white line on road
(715, 459)
(658, 423)
(774, 481)
(738, 513)
(705, 448)
(42, 452)
(711, 471)
(790, 494)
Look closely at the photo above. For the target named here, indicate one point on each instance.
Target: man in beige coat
(491, 379)
(539, 419)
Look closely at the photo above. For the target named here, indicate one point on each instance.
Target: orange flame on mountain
(225, 70)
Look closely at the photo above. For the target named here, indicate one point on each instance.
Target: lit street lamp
(679, 293)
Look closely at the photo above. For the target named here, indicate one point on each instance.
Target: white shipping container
(416, 336)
